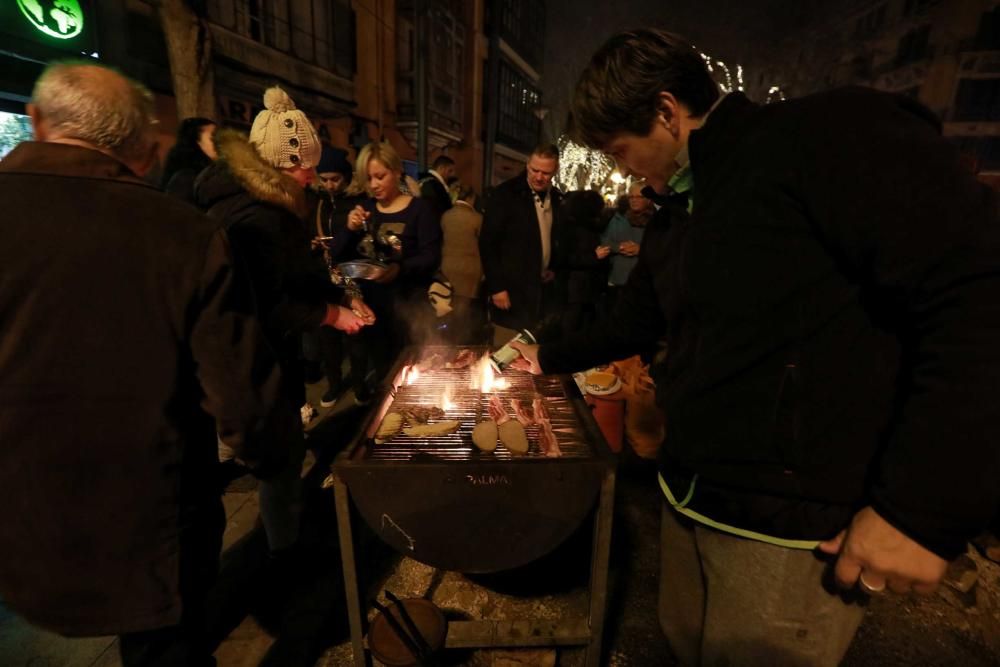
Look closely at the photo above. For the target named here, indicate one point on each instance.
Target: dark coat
(263, 211)
(582, 276)
(832, 310)
(435, 194)
(127, 343)
(510, 247)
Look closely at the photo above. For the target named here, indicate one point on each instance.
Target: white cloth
(544, 212)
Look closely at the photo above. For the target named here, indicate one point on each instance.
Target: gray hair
(96, 104)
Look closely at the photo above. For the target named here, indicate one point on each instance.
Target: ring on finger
(867, 587)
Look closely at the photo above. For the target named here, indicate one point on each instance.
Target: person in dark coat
(520, 224)
(434, 187)
(329, 224)
(582, 258)
(191, 153)
(827, 276)
(256, 189)
(129, 343)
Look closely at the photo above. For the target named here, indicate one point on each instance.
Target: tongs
(411, 636)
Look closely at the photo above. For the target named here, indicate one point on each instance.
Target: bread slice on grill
(513, 437)
(389, 427)
(485, 434)
(433, 430)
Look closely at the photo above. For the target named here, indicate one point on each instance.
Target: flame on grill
(447, 402)
(412, 374)
(484, 379)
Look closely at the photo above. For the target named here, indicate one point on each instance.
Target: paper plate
(595, 390)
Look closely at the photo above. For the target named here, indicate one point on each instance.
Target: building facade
(946, 53)
(354, 66)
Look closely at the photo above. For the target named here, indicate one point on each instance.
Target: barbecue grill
(442, 501)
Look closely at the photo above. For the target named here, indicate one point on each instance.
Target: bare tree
(189, 47)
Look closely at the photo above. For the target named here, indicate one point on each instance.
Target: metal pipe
(420, 78)
(493, 94)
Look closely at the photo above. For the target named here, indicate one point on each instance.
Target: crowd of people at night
(816, 283)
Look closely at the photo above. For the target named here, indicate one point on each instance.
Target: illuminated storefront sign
(62, 19)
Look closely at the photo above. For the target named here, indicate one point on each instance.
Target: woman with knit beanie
(256, 188)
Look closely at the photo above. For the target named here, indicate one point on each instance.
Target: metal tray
(363, 269)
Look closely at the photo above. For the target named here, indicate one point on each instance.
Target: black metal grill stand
(581, 631)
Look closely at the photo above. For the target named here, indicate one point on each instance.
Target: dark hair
(619, 89)
(186, 154)
(442, 161)
(546, 150)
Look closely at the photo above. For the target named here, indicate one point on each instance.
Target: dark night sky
(732, 30)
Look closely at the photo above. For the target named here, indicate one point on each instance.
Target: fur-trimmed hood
(239, 161)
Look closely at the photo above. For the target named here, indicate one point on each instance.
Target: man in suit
(516, 244)
(434, 184)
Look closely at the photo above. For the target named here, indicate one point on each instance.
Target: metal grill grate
(470, 409)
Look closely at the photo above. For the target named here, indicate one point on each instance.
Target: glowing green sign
(62, 19)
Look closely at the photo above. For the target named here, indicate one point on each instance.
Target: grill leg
(351, 588)
(599, 568)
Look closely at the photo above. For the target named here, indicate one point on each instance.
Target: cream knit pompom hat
(283, 135)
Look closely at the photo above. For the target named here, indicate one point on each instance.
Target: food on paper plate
(513, 437)
(389, 427)
(463, 359)
(497, 411)
(485, 435)
(433, 430)
(422, 414)
(600, 381)
(522, 412)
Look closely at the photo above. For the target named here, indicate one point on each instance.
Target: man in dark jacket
(520, 223)
(828, 280)
(434, 184)
(128, 343)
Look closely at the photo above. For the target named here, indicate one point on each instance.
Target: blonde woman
(402, 231)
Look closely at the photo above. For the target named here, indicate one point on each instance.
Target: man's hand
(528, 361)
(602, 251)
(356, 219)
(501, 300)
(873, 553)
(342, 319)
(361, 309)
(629, 248)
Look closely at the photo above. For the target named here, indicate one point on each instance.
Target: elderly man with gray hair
(129, 341)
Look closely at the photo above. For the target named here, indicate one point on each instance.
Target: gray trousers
(725, 600)
(281, 496)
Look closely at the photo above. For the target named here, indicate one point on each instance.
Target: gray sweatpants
(727, 601)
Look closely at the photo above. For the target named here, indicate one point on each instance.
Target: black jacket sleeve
(636, 324)
(424, 233)
(237, 370)
(491, 243)
(914, 227)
